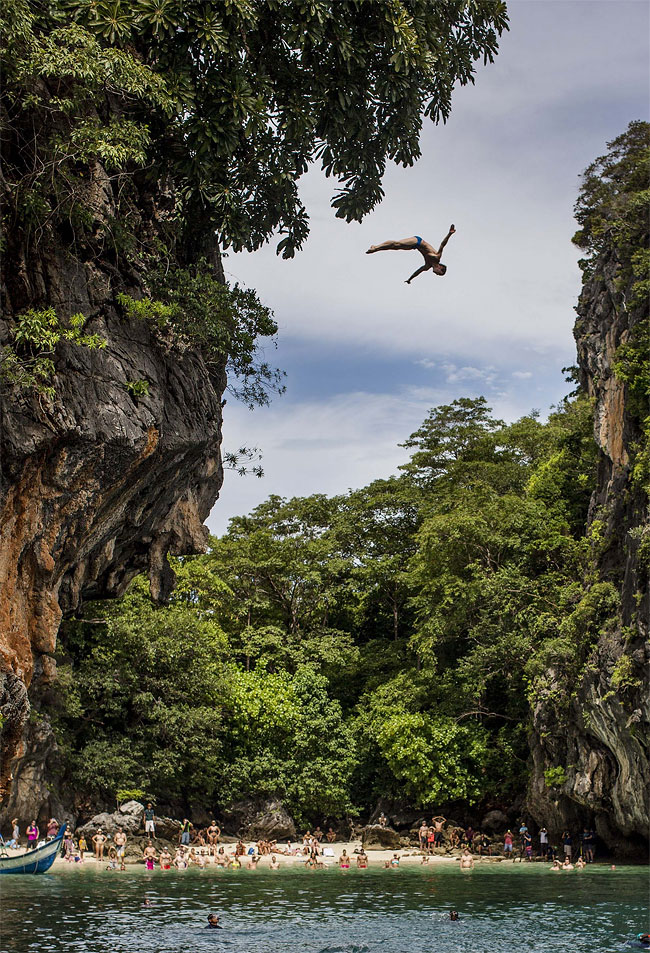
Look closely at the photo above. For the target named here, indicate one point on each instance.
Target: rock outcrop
(376, 837)
(601, 742)
(255, 818)
(96, 484)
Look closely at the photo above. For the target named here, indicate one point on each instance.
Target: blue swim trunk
(419, 241)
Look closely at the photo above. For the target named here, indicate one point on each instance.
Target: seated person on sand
(274, 865)
(331, 836)
(344, 860)
(466, 860)
(318, 834)
(362, 859)
(240, 849)
(429, 253)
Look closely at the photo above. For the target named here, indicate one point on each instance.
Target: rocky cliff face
(95, 485)
(601, 743)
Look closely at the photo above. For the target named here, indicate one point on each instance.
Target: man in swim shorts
(120, 842)
(149, 826)
(429, 253)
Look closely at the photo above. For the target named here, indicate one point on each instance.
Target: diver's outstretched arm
(415, 274)
(446, 239)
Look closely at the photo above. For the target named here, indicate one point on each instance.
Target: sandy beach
(376, 858)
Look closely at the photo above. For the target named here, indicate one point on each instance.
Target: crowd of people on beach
(200, 846)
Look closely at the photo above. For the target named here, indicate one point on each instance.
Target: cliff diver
(429, 253)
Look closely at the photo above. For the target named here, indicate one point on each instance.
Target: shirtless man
(362, 859)
(466, 860)
(429, 253)
(149, 856)
(165, 859)
(423, 834)
(99, 840)
(274, 865)
(120, 842)
(438, 821)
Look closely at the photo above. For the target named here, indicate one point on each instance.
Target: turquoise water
(331, 911)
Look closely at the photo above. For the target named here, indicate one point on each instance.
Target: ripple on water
(361, 912)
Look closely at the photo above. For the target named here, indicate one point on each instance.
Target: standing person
(588, 845)
(120, 843)
(32, 835)
(469, 836)
(148, 818)
(543, 843)
(567, 842)
(213, 832)
(344, 860)
(431, 255)
(149, 856)
(362, 859)
(99, 840)
(438, 821)
(52, 828)
(186, 827)
(507, 842)
(423, 834)
(83, 847)
(523, 830)
(527, 841)
(15, 833)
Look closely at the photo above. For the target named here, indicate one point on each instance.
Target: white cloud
(522, 375)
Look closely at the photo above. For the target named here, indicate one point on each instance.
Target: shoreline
(376, 859)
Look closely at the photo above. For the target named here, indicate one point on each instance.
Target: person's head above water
(213, 920)
(453, 915)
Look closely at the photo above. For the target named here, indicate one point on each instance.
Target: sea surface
(502, 908)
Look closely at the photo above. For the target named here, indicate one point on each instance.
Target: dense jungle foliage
(332, 650)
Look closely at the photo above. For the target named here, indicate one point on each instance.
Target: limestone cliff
(95, 485)
(601, 741)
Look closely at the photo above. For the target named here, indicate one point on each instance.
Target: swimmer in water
(466, 860)
(453, 915)
(213, 922)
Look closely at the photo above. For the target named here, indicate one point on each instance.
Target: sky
(366, 355)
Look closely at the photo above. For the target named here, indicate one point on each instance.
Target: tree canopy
(232, 100)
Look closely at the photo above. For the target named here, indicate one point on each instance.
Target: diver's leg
(403, 244)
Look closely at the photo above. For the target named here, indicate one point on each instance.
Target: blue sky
(366, 355)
